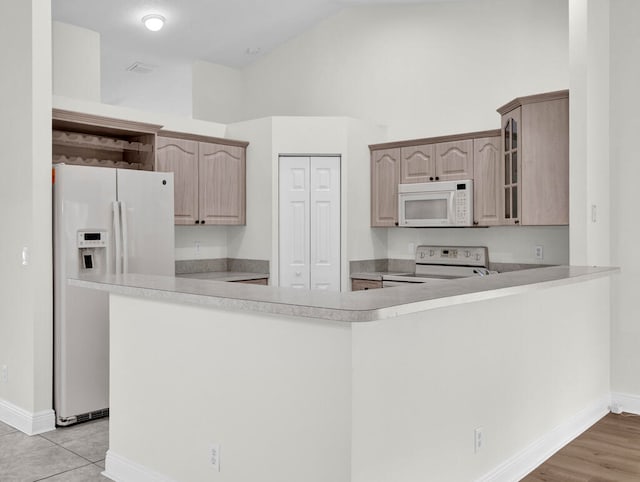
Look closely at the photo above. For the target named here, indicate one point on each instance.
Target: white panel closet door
(294, 222)
(310, 222)
(325, 223)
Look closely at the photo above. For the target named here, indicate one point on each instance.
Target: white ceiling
(218, 31)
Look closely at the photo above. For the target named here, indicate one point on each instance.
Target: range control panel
(453, 255)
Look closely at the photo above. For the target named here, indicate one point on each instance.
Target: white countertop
(351, 306)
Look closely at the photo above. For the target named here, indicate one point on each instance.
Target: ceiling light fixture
(153, 22)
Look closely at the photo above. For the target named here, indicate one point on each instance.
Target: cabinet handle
(437, 178)
(396, 223)
(197, 222)
(475, 223)
(366, 288)
(431, 178)
(202, 222)
(517, 221)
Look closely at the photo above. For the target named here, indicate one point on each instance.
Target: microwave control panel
(461, 207)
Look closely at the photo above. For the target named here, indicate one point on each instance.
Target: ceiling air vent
(140, 68)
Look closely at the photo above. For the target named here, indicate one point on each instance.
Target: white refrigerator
(105, 221)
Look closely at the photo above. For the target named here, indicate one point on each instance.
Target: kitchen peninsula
(369, 386)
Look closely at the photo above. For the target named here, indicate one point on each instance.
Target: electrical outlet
(4, 374)
(214, 456)
(478, 439)
(539, 252)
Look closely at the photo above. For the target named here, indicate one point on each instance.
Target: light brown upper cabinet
(440, 161)
(454, 160)
(417, 164)
(487, 188)
(446, 158)
(209, 177)
(385, 176)
(535, 160)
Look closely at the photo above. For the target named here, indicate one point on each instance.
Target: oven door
(423, 209)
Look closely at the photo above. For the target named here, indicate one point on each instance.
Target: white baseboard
(625, 402)
(531, 457)
(27, 422)
(122, 469)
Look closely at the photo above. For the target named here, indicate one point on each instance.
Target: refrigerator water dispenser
(92, 247)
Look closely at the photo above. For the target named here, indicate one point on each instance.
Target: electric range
(441, 263)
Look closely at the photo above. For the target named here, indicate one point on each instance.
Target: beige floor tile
(92, 447)
(24, 458)
(4, 428)
(62, 435)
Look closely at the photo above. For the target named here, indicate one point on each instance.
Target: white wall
(167, 89)
(520, 367)
(589, 132)
(422, 69)
(253, 241)
(363, 242)
(272, 391)
(26, 339)
(625, 170)
(86, 70)
(201, 242)
(218, 92)
(508, 244)
(76, 62)
(167, 121)
(298, 399)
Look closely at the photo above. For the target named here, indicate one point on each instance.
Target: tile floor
(69, 454)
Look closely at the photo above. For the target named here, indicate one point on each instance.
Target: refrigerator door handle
(125, 238)
(116, 235)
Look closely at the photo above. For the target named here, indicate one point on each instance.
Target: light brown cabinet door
(454, 160)
(365, 284)
(487, 189)
(385, 174)
(180, 156)
(545, 163)
(417, 164)
(511, 167)
(222, 184)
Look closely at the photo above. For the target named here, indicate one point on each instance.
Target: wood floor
(608, 451)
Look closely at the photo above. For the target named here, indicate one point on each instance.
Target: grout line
(63, 472)
(67, 449)
(74, 453)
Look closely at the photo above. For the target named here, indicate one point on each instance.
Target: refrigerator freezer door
(146, 202)
(82, 202)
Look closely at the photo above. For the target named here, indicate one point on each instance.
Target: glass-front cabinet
(512, 163)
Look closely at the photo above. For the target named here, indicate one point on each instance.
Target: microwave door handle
(452, 205)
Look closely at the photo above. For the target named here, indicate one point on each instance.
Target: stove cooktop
(445, 263)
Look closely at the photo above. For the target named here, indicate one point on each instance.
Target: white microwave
(435, 204)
